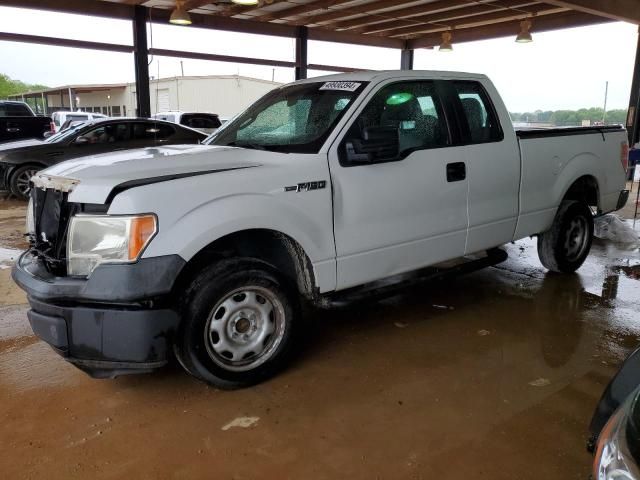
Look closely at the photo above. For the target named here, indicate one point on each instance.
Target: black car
(19, 161)
(615, 427)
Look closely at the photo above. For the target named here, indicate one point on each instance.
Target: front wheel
(240, 321)
(566, 245)
(20, 181)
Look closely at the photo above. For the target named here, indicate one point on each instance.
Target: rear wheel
(566, 245)
(20, 181)
(240, 321)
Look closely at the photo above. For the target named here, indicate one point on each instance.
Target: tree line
(571, 117)
(8, 86)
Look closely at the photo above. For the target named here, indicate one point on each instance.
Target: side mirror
(81, 140)
(378, 144)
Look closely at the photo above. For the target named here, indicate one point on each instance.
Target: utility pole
(606, 97)
(182, 68)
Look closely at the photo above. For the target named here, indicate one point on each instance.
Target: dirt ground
(492, 375)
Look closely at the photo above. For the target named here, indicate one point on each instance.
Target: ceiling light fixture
(525, 32)
(180, 16)
(245, 2)
(446, 46)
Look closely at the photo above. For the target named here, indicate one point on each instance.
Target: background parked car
(204, 122)
(60, 118)
(19, 161)
(18, 121)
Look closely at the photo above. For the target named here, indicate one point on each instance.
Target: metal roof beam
(507, 29)
(623, 10)
(444, 18)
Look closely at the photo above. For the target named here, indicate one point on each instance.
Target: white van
(59, 118)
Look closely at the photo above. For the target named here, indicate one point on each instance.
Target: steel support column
(141, 60)
(633, 120)
(302, 36)
(406, 59)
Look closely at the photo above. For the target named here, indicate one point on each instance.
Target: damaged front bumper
(109, 324)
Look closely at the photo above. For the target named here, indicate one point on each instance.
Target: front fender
(237, 213)
(190, 219)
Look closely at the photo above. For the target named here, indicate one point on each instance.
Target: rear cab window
(200, 121)
(14, 110)
(75, 118)
(478, 118)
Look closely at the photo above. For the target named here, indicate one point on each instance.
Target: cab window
(152, 131)
(111, 133)
(481, 124)
(412, 109)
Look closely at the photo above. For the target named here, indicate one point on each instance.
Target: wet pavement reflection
(491, 375)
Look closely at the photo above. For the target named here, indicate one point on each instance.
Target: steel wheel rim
(576, 238)
(245, 328)
(23, 180)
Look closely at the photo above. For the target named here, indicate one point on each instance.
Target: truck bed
(553, 158)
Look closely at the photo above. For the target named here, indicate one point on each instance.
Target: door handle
(13, 129)
(456, 172)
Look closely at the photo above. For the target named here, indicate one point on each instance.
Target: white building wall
(224, 95)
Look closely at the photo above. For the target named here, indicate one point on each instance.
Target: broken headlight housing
(614, 460)
(30, 226)
(97, 239)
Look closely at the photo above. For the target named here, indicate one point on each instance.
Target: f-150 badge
(306, 186)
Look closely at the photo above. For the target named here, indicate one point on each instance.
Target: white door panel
(494, 183)
(493, 166)
(399, 216)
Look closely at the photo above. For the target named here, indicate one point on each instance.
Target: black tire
(566, 245)
(19, 180)
(201, 350)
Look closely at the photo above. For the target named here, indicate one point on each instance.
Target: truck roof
(370, 75)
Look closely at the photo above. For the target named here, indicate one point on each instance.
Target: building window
(115, 111)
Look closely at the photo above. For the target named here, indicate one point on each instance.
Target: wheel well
(584, 189)
(275, 248)
(13, 170)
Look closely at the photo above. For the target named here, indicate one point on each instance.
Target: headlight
(30, 226)
(107, 239)
(613, 460)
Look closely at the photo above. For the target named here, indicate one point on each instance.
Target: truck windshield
(296, 118)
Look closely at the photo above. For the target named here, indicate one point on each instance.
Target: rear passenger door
(493, 164)
(407, 213)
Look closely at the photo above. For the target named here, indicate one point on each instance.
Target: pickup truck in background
(321, 188)
(204, 122)
(17, 121)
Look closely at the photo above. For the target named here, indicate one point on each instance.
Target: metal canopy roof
(389, 23)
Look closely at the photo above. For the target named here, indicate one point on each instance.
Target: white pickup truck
(320, 187)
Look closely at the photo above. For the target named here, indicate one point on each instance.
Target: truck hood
(95, 178)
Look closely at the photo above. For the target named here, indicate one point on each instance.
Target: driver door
(403, 213)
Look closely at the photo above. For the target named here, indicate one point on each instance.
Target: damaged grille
(52, 213)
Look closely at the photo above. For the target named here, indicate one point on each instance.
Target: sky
(565, 69)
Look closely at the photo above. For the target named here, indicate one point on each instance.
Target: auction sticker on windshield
(343, 86)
